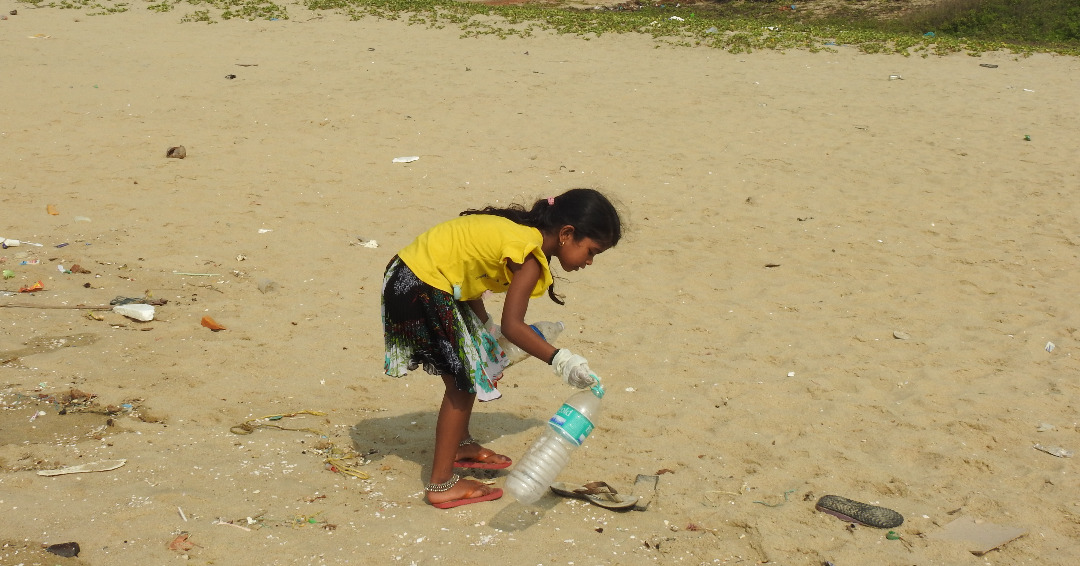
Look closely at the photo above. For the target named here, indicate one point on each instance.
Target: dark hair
(590, 213)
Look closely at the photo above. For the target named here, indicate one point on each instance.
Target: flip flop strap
(596, 488)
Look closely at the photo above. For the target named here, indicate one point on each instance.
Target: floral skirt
(425, 326)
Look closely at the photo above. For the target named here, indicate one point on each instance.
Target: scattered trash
(1054, 451)
(712, 30)
(267, 285)
(892, 535)
(1044, 427)
(211, 324)
(676, 19)
(264, 230)
(39, 286)
(408, 159)
(102, 466)
(988, 65)
(929, 34)
(79, 269)
(981, 537)
(136, 311)
(901, 335)
(645, 490)
(895, 78)
(81, 219)
(1050, 346)
(370, 244)
(51, 209)
(8, 274)
(182, 515)
(336, 458)
(61, 245)
(65, 549)
(178, 152)
(230, 77)
(1027, 138)
(8, 243)
(30, 262)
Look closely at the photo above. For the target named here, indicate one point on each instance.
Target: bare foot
(473, 453)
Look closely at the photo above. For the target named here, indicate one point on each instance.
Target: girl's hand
(573, 369)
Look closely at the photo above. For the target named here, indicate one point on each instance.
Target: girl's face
(576, 254)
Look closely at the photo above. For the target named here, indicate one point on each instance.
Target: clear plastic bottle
(549, 331)
(550, 453)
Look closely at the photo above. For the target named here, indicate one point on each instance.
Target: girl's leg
(451, 427)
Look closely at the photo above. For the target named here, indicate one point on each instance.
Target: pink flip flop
(495, 494)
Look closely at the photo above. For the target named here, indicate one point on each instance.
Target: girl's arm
(517, 304)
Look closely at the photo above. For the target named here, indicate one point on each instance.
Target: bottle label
(571, 424)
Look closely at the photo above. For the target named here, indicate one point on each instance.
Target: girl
(433, 313)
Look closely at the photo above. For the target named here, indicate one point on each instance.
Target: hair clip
(551, 201)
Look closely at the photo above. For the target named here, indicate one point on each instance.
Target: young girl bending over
(433, 313)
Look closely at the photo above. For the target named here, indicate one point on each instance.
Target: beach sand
(831, 283)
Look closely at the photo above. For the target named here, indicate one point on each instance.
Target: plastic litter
(407, 159)
(979, 536)
(140, 312)
(103, 466)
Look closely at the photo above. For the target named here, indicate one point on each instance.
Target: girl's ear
(566, 233)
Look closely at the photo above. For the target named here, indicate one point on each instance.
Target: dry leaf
(181, 543)
(211, 324)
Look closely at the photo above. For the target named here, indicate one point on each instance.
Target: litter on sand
(644, 490)
(407, 159)
(1054, 451)
(102, 466)
(978, 536)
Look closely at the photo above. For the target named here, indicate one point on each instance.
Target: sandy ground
(832, 283)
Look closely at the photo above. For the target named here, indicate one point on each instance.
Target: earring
(562, 243)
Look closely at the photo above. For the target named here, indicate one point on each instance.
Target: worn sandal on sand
(484, 461)
(597, 493)
(445, 486)
(858, 512)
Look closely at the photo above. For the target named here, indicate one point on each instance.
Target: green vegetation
(874, 26)
(1048, 23)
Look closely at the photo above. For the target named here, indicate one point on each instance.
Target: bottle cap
(598, 390)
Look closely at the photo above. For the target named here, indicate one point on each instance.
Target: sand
(831, 283)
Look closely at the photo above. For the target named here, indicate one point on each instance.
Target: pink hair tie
(551, 201)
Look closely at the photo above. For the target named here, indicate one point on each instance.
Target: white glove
(493, 329)
(573, 369)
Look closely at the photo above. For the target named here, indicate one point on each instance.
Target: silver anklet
(444, 486)
(468, 440)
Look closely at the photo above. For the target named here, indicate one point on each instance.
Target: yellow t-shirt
(469, 254)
